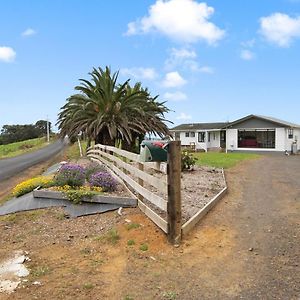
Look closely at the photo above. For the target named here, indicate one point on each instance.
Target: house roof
(223, 125)
(266, 118)
(198, 126)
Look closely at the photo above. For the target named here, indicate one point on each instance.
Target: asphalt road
(11, 166)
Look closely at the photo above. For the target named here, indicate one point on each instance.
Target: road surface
(11, 166)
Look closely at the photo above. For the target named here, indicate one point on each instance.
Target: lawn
(18, 148)
(222, 160)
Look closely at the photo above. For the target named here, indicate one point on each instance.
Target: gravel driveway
(260, 245)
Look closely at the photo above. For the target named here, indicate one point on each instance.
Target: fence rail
(138, 176)
(134, 173)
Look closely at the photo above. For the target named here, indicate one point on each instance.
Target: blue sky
(211, 61)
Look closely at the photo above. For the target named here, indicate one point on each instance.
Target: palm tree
(106, 111)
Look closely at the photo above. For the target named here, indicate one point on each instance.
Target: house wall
(214, 143)
(280, 139)
(289, 142)
(282, 142)
(186, 141)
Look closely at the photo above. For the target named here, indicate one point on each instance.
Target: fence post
(174, 192)
(140, 181)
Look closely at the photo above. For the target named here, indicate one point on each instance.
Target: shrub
(103, 180)
(187, 160)
(70, 174)
(78, 194)
(29, 185)
(93, 168)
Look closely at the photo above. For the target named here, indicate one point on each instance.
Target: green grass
(88, 286)
(72, 151)
(18, 148)
(144, 247)
(130, 242)
(112, 237)
(133, 226)
(222, 160)
(40, 271)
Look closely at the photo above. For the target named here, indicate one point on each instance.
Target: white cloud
(179, 57)
(249, 43)
(139, 73)
(280, 29)
(181, 20)
(7, 54)
(247, 54)
(194, 66)
(176, 96)
(173, 79)
(183, 53)
(185, 58)
(28, 32)
(184, 116)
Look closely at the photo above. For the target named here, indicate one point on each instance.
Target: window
(259, 138)
(291, 133)
(201, 137)
(208, 137)
(187, 134)
(192, 134)
(177, 136)
(214, 136)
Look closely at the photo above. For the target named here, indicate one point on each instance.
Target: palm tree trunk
(104, 138)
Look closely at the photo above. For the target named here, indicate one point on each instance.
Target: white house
(251, 133)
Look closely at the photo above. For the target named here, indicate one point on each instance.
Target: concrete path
(14, 165)
(28, 202)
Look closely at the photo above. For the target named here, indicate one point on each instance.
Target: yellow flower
(30, 184)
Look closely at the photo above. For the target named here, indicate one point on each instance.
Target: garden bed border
(124, 201)
(193, 221)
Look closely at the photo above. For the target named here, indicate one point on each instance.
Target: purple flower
(70, 174)
(103, 180)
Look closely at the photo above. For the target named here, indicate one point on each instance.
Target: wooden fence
(148, 187)
(162, 192)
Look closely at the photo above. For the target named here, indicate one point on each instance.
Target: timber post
(174, 192)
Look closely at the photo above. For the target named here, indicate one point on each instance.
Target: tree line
(17, 133)
(112, 113)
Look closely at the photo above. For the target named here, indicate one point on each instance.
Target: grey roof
(198, 126)
(270, 119)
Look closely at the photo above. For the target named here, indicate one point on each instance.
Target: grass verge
(222, 160)
(72, 151)
(14, 149)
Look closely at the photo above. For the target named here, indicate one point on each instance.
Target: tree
(107, 111)
(41, 127)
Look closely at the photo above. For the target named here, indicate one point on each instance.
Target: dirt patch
(198, 187)
(245, 248)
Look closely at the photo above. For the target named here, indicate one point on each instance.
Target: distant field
(18, 148)
(222, 160)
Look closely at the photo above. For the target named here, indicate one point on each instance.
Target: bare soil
(247, 247)
(198, 187)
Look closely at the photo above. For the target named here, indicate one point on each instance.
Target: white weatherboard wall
(280, 139)
(214, 139)
(289, 142)
(231, 139)
(186, 141)
(282, 142)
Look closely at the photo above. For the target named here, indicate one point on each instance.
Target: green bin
(153, 151)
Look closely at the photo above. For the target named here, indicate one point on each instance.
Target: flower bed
(78, 183)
